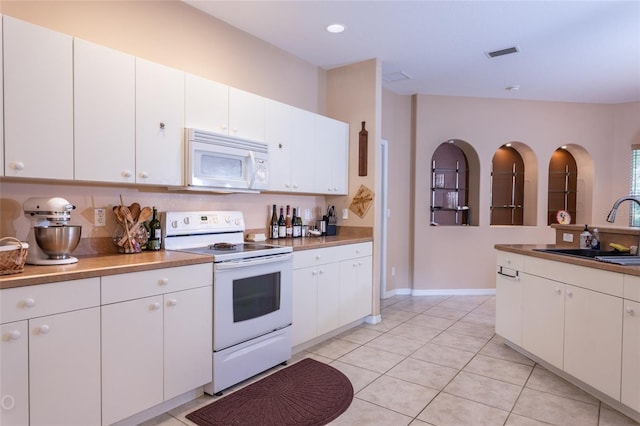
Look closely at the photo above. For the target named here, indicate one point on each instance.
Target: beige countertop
(529, 250)
(101, 265)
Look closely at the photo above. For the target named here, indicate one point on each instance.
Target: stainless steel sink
(584, 253)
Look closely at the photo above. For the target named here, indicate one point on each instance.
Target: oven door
(251, 298)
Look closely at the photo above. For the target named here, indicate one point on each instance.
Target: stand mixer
(51, 239)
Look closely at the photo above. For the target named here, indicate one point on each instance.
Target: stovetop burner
(222, 246)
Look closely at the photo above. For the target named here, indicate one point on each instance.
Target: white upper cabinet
(38, 101)
(279, 137)
(104, 112)
(206, 104)
(246, 115)
(302, 157)
(331, 156)
(159, 124)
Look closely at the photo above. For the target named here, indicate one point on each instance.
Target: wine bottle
(288, 223)
(273, 229)
(155, 232)
(282, 225)
(297, 223)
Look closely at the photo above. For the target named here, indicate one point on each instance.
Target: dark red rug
(306, 393)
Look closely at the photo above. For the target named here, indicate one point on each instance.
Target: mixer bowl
(57, 241)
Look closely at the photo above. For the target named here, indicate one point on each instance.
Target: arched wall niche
(471, 181)
(586, 173)
(530, 204)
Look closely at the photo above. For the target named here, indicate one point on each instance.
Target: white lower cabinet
(593, 337)
(543, 318)
(631, 355)
(50, 354)
(132, 357)
(509, 304)
(332, 287)
(156, 347)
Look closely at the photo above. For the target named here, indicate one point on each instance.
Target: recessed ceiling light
(336, 28)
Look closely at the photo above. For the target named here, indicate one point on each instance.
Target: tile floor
(435, 360)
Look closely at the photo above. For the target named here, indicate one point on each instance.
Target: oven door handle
(244, 263)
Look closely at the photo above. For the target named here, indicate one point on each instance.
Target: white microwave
(223, 163)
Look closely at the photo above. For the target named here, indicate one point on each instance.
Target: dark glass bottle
(282, 225)
(155, 232)
(273, 228)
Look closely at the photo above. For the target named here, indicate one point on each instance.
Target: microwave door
(224, 170)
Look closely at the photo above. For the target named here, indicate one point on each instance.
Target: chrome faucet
(611, 217)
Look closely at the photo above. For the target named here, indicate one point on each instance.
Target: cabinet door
(328, 298)
(246, 115)
(159, 123)
(14, 370)
(104, 112)
(365, 286)
(593, 337)
(132, 364)
(630, 355)
(206, 104)
(332, 159)
(543, 318)
(509, 305)
(278, 135)
(38, 101)
(348, 291)
(304, 150)
(188, 340)
(305, 310)
(64, 351)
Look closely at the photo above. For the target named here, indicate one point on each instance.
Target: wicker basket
(13, 254)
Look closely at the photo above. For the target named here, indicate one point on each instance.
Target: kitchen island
(578, 317)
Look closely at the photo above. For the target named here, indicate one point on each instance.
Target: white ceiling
(576, 51)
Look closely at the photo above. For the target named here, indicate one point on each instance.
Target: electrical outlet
(99, 217)
(345, 213)
(393, 271)
(567, 237)
(307, 214)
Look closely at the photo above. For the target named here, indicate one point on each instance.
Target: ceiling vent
(502, 52)
(395, 76)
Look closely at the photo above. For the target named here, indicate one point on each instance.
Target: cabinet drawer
(47, 299)
(134, 285)
(581, 276)
(307, 258)
(632, 287)
(352, 251)
(510, 260)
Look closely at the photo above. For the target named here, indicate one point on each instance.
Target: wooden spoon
(126, 214)
(135, 210)
(145, 214)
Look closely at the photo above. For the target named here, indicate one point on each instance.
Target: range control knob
(186, 220)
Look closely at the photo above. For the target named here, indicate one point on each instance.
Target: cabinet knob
(295, 186)
(14, 334)
(155, 306)
(557, 290)
(569, 293)
(314, 272)
(17, 165)
(29, 303)
(359, 263)
(164, 281)
(224, 127)
(7, 402)
(127, 173)
(286, 185)
(280, 145)
(321, 271)
(507, 260)
(318, 257)
(44, 329)
(172, 302)
(355, 264)
(162, 125)
(144, 175)
(234, 130)
(629, 310)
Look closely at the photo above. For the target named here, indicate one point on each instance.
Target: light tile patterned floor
(435, 360)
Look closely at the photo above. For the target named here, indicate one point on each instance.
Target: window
(634, 190)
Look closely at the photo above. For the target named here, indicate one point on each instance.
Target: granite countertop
(529, 250)
(111, 264)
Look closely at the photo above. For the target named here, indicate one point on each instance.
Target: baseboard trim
(442, 292)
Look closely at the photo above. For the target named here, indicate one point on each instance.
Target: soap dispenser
(585, 238)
